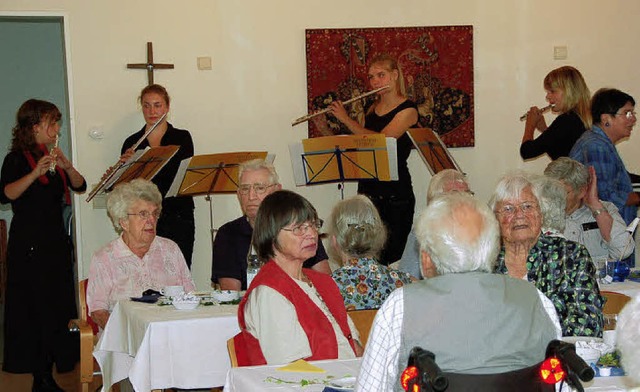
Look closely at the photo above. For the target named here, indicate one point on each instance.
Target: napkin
(301, 366)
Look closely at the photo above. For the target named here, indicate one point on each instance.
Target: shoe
(45, 383)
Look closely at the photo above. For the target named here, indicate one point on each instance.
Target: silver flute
(544, 109)
(52, 165)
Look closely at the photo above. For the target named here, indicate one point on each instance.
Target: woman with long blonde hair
(569, 97)
(391, 114)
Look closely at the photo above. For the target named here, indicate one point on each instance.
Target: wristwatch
(597, 211)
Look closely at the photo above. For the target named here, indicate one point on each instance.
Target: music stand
(209, 174)
(343, 158)
(142, 164)
(432, 151)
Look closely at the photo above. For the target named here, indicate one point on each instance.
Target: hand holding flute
(541, 111)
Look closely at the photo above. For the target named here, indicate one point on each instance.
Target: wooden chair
(614, 302)
(363, 319)
(89, 369)
(231, 347)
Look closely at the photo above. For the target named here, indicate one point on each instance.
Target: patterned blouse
(562, 270)
(365, 284)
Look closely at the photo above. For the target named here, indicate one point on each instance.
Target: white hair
(439, 235)
(628, 338)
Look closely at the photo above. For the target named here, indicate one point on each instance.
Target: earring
(606, 124)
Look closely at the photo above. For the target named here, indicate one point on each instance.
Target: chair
(232, 353)
(614, 302)
(88, 338)
(363, 319)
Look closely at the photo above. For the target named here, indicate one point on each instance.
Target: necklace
(305, 279)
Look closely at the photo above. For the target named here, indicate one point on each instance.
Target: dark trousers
(396, 213)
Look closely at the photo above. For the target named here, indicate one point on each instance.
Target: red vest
(322, 338)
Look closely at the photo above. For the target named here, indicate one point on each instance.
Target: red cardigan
(320, 333)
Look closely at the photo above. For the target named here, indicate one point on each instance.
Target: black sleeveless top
(403, 186)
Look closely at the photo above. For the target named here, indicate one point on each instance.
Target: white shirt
(379, 370)
(272, 319)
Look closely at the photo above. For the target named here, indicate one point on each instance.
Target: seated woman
(290, 312)
(560, 268)
(357, 235)
(138, 260)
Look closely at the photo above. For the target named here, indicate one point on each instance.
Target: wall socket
(560, 53)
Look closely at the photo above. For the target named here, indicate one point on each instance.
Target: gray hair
(357, 227)
(569, 171)
(439, 234)
(552, 198)
(442, 178)
(510, 186)
(122, 196)
(628, 338)
(258, 164)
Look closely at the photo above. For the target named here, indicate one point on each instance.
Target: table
(252, 378)
(160, 347)
(628, 287)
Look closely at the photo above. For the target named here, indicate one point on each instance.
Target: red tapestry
(437, 63)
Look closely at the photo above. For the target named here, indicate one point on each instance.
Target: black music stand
(432, 151)
(205, 175)
(142, 164)
(338, 159)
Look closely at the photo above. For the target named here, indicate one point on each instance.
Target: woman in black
(176, 222)
(40, 296)
(391, 114)
(569, 96)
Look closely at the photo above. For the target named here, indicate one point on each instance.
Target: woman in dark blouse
(177, 221)
(40, 296)
(569, 96)
(391, 114)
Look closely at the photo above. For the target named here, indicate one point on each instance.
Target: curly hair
(124, 195)
(30, 114)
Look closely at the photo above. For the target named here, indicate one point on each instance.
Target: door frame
(70, 104)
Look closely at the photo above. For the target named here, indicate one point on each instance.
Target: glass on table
(610, 321)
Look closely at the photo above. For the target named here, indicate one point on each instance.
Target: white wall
(258, 83)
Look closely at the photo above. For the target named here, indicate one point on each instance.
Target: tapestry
(437, 64)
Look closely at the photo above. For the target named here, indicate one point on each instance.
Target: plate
(345, 384)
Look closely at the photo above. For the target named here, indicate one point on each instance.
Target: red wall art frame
(437, 63)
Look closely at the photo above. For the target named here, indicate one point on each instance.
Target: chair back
(84, 309)
(232, 353)
(363, 319)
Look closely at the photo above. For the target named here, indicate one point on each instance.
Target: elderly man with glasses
(256, 180)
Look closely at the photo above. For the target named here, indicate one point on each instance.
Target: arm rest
(86, 348)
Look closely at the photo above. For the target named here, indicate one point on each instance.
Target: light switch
(204, 63)
(560, 52)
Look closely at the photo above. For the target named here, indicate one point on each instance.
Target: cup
(172, 291)
(609, 337)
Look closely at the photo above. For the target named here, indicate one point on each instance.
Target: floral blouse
(562, 270)
(365, 284)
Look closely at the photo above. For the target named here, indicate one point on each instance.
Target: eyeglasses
(302, 229)
(628, 114)
(145, 215)
(510, 210)
(259, 189)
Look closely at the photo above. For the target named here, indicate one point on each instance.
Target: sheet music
(177, 180)
(392, 150)
(136, 155)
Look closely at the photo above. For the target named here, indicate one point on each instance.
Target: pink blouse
(116, 273)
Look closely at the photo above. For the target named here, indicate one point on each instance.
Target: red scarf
(43, 178)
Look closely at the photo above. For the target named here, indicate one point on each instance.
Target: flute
(544, 109)
(312, 115)
(112, 171)
(52, 165)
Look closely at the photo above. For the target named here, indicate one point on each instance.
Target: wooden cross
(150, 66)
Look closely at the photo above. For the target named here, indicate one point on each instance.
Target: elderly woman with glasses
(290, 312)
(357, 235)
(138, 259)
(561, 269)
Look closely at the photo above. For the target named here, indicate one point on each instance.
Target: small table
(252, 378)
(160, 347)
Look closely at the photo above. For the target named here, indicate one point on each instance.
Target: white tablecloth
(253, 378)
(628, 287)
(161, 347)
